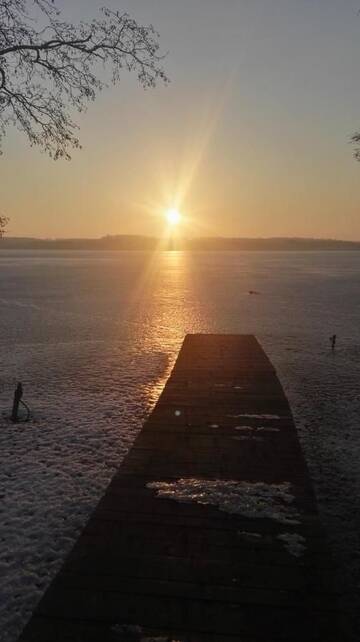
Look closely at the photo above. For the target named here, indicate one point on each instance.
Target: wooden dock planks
(191, 572)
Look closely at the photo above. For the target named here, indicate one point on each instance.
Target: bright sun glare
(173, 216)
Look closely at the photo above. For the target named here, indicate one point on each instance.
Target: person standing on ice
(333, 341)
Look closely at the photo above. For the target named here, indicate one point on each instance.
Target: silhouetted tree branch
(46, 72)
(3, 223)
(355, 139)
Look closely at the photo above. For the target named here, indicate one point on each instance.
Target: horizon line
(183, 238)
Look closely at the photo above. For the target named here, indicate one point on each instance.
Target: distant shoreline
(141, 243)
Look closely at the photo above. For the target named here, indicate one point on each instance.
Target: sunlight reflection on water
(165, 311)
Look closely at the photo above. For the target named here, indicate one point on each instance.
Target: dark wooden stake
(17, 398)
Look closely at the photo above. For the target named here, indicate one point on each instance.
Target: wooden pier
(241, 558)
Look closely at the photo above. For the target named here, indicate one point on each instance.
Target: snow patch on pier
(256, 416)
(251, 433)
(294, 543)
(134, 633)
(249, 437)
(254, 500)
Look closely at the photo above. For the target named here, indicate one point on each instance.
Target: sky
(251, 137)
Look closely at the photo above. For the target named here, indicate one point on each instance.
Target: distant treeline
(132, 242)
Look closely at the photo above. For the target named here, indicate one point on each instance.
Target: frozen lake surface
(93, 336)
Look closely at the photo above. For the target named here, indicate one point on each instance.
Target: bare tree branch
(3, 223)
(355, 139)
(47, 73)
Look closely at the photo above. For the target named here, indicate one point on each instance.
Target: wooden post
(17, 398)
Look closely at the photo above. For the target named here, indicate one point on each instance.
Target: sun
(173, 216)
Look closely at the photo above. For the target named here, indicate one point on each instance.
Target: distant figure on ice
(333, 341)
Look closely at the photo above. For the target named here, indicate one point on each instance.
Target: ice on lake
(92, 337)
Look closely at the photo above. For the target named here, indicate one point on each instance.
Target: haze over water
(93, 336)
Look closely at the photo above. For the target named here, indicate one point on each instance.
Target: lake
(93, 336)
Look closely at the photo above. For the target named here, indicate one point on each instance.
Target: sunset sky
(251, 138)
